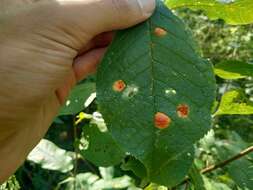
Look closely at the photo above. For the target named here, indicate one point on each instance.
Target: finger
(101, 40)
(83, 66)
(87, 63)
(63, 92)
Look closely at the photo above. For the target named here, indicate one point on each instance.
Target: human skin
(46, 46)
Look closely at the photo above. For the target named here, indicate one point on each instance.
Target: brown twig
(223, 163)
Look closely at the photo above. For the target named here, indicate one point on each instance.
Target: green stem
(76, 152)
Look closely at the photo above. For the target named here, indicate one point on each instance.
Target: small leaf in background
(233, 70)
(99, 147)
(235, 102)
(81, 181)
(106, 173)
(51, 157)
(78, 98)
(98, 120)
(234, 12)
(89, 100)
(115, 183)
(10, 184)
(211, 184)
(166, 93)
(89, 181)
(240, 170)
(153, 186)
(207, 142)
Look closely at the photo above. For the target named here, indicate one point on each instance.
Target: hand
(46, 46)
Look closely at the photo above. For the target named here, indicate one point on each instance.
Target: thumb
(73, 23)
(107, 15)
(81, 20)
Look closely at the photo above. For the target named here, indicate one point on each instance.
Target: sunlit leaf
(232, 11)
(211, 184)
(51, 157)
(153, 186)
(81, 181)
(89, 181)
(235, 102)
(233, 70)
(10, 184)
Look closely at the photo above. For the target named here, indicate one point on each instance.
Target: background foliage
(63, 159)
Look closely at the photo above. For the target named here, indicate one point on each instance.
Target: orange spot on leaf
(161, 120)
(160, 32)
(183, 111)
(119, 86)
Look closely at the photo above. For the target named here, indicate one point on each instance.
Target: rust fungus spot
(162, 121)
(160, 32)
(183, 111)
(119, 86)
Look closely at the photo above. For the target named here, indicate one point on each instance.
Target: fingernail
(147, 6)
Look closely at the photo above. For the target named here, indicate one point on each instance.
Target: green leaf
(135, 166)
(235, 102)
(115, 183)
(76, 100)
(10, 184)
(234, 12)
(208, 141)
(81, 181)
(89, 181)
(153, 186)
(51, 157)
(240, 170)
(106, 173)
(99, 147)
(196, 178)
(214, 185)
(161, 70)
(233, 70)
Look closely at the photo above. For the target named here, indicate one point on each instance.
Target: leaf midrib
(155, 136)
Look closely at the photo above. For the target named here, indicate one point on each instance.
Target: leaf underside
(161, 72)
